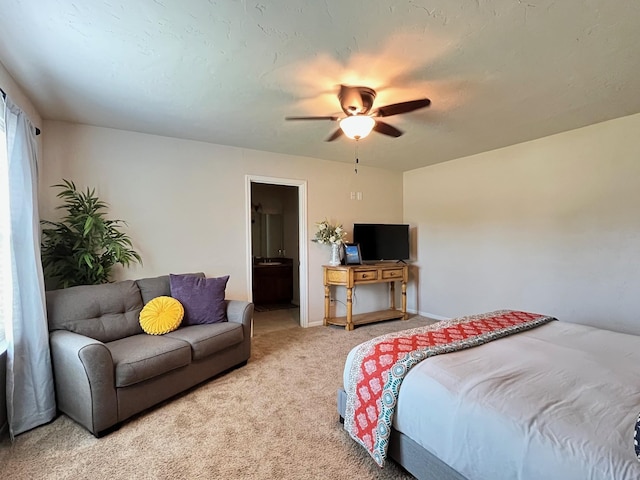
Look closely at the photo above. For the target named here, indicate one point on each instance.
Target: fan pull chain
(357, 161)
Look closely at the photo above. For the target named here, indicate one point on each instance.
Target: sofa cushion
(105, 312)
(141, 357)
(161, 315)
(153, 287)
(208, 339)
(202, 298)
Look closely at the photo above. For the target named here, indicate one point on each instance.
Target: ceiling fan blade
(328, 117)
(402, 107)
(386, 129)
(335, 135)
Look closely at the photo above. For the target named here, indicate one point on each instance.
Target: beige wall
(551, 226)
(184, 201)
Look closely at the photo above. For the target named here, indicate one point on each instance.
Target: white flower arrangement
(329, 234)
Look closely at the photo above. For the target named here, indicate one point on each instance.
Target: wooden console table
(351, 275)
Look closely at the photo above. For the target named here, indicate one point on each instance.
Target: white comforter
(556, 402)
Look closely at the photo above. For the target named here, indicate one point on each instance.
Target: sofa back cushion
(151, 288)
(105, 312)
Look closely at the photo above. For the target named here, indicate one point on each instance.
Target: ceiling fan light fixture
(357, 126)
(356, 103)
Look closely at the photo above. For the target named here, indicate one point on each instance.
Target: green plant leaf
(88, 223)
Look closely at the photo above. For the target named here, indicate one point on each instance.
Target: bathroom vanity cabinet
(273, 281)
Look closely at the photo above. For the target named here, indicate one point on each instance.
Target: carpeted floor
(275, 418)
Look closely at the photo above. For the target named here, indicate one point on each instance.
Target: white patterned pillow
(636, 438)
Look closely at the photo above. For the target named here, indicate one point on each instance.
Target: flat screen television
(382, 241)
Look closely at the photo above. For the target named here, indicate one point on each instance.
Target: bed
(552, 401)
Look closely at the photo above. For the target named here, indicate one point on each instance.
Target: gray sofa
(105, 367)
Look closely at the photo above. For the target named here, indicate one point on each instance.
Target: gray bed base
(418, 461)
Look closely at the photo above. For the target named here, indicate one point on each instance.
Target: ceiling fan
(356, 103)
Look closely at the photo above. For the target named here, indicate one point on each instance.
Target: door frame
(302, 238)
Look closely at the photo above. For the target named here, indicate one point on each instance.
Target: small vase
(335, 255)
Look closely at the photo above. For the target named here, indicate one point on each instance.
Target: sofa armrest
(84, 378)
(240, 311)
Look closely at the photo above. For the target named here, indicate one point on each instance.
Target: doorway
(276, 233)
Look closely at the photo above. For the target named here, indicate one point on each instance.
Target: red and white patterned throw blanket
(380, 365)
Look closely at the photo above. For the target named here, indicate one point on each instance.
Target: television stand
(351, 275)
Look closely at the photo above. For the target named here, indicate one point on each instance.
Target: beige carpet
(275, 418)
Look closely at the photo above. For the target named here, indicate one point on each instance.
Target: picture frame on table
(352, 254)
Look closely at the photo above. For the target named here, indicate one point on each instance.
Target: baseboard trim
(434, 316)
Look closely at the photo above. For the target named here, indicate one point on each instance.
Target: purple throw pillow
(202, 298)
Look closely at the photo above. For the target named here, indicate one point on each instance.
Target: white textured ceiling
(498, 72)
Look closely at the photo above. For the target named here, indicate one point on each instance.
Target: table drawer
(365, 275)
(336, 277)
(395, 273)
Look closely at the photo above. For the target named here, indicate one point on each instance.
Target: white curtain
(30, 391)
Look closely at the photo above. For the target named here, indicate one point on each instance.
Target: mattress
(556, 402)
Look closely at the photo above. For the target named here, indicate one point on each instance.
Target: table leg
(327, 296)
(404, 301)
(392, 295)
(349, 323)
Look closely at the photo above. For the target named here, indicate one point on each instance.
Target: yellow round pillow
(161, 315)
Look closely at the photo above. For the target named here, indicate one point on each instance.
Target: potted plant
(84, 246)
(333, 235)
